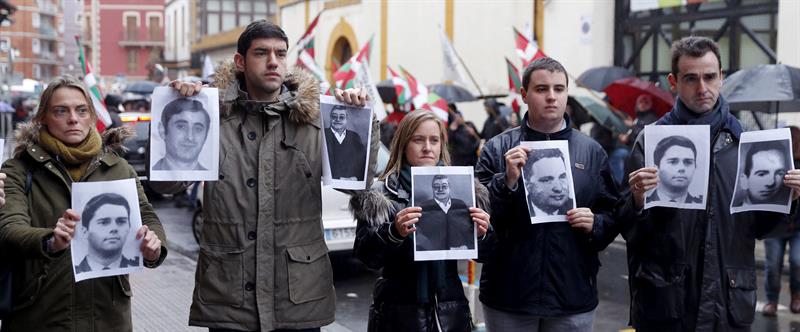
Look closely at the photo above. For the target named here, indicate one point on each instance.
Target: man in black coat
(694, 270)
(346, 152)
(542, 277)
(445, 223)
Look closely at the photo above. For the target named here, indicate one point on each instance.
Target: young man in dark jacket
(542, 277)
(694, 270)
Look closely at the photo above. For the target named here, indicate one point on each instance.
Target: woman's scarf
(75, 159)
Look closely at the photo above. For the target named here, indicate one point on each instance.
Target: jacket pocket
(741, 295)
(222, 236)
(659, 292)
(29, 294)
(309, 272)
(123, 291)
(220, 277)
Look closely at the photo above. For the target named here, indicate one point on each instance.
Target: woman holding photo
(59, 146)
(410, 296)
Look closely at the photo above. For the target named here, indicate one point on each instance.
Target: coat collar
(27, 137)
(529, 134)
(299, 94)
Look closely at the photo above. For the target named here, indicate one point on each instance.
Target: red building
(123, 37)
(35, 40)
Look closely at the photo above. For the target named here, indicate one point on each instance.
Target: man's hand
(354, 97)
(151, 245)
(515, 160)
(481, 220)
(64, 230)
(186, 89)
(405, 219)
(640, 181)
(792, 180)
(2, 190)
(581, 218)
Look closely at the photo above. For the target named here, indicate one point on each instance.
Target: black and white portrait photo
(184, 135)
(445, 229)
(548, 181)
(764, 158)
(105, 238)
(680, 153)
(346, 133)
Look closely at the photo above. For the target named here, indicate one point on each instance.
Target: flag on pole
(401, 88)
(419, 92)
(355, 74)
(344, 77)
(514, 85)
(308, 36)
(103, 118)
(305, 59)
(527, 49)
(452, 66)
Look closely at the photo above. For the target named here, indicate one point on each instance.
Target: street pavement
(162, 296)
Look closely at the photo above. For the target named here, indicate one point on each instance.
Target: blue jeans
(775, 248)
(616, 161)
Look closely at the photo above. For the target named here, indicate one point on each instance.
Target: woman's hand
(405, 219)
(2, 190)
(151, 245)
(64, 230)
(481, 220)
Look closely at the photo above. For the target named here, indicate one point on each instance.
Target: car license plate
(340, 233)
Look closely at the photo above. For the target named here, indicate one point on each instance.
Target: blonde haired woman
(410, 296)
(58, 147)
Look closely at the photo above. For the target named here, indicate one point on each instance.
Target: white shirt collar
(97, 266)
(339, 137)
(445, 206)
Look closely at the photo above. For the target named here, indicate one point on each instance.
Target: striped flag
(103, 118)
(308, 36)
(527, 49)
(514, 85)
(419, 92)
(401, 88)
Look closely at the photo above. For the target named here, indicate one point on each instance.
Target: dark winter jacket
(694, 270)
(395, 305)
(546, 269)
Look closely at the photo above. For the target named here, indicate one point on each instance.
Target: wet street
(162, 296)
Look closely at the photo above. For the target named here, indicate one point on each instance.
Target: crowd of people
(263, 263)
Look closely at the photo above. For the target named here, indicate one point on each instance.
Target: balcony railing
(138, 39)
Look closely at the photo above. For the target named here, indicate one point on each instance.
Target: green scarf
(76, 159)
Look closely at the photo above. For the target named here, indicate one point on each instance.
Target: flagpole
(469, 73)
(312, 26)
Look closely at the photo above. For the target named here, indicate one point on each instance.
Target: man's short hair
(439, 177)
(181, 105)
(776, 145)
(693, 46)
(103, 199)
(539, 154)
(259, 29)
(340, 107)
(669, 142)
(548, 64)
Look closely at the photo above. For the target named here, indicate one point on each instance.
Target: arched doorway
(341, 46)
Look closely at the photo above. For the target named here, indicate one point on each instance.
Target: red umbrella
(623, 93)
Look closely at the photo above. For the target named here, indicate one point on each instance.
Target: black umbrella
(451, 93)
(600, 77)
(387, 91)
(141, 87)
(764, 88)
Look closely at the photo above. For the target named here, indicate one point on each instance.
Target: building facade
(178, 22)
(218, 25)
(36, 39)
(124, 37)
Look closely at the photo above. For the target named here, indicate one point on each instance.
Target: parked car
(338, 223)
(137, 146)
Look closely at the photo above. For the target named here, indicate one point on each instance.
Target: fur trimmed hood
(27, 134)
(299, 95)
(379, 204)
